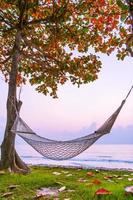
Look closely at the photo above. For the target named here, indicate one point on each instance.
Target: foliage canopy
(56, 37)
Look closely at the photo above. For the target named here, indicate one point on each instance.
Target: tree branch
(52, 17)
(2, 19)
(22, 9)
(32, 45)
(5, 19)
(30, 56)
(3, 62)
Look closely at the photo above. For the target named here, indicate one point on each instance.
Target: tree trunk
(9, 157)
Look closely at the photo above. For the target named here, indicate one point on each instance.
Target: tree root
(18, 166)
(20, 163)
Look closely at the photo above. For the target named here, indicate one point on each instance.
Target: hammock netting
(62, 150)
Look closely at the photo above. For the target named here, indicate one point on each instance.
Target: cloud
(118, 135)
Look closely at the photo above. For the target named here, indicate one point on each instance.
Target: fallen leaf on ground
(130, 179)
(116, 176)
(62, 189)
(66, 199)
(129, 190)
(70, 190)
(108, 177)
(47, 192)
(57, 173)
(119, 178)
(7, 194)
(2, 172)
(69, 175)
(11, 187)
(79, 169)
(102, 191)
(65, 172)
(90, 174)
(109, 180)
(96, 182)
(126, 175)
(81, 180)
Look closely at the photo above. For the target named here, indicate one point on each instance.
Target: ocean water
(97, 156)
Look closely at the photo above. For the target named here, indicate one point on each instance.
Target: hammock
(62, 150)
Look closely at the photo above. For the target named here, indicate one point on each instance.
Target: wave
(84, 160)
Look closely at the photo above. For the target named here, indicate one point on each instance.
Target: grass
(82, 186)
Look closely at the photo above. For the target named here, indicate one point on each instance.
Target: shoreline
(81, 167)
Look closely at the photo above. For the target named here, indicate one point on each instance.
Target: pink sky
(77, 108)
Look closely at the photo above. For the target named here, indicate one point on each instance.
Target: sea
(103, 156)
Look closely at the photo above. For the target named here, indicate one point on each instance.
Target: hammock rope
(62, 150)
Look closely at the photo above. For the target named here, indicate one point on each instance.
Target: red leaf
(102, 191)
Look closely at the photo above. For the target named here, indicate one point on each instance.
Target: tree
(38, 39)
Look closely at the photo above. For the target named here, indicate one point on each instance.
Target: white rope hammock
(62, 150)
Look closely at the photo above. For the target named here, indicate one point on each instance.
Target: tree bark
(9, 157)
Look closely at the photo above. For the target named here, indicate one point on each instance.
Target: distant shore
(82, 167)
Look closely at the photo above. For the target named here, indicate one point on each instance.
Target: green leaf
(85, 30)
(123, 16)
(122, 5)
(111, 2)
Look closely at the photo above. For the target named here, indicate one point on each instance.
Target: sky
(80, 111)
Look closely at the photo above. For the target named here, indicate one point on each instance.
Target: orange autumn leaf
(96, 182)
(48, 27)
(63, 79)
(90, 174)
(19, 79)
(108, 177)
